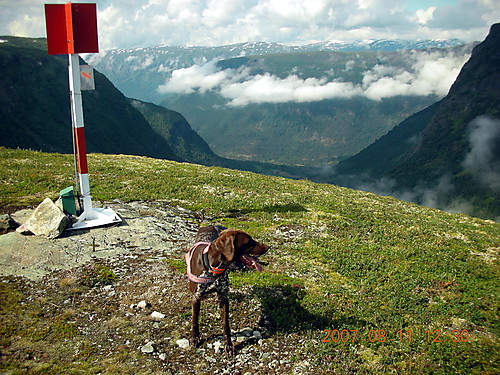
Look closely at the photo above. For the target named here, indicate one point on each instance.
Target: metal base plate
(96, 218)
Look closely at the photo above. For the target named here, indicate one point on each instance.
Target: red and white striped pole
(79, 134)
(72, 29)
(91, 217)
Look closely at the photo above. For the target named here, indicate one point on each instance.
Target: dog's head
(235, 248)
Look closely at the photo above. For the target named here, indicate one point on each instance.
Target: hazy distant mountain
(354, 97)
(447, 155)
(136, 71)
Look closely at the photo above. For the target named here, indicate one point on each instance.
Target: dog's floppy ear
(225, 244)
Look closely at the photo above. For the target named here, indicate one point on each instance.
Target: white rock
(148, 348)
(163, 356)
(47, 220)
(157, 316)
(217, 346)
(183, 343)
(142, 305)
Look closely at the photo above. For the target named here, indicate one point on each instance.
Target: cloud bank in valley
(481, 160)
(484, 142)
(429, 73)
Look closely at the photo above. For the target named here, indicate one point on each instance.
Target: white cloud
(432, 73)
(429, 74)
(484, 137)
(197, 77)
(423, 16)
(134, 23)
(267, 88)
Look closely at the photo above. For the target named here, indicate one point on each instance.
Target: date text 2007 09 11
(381, 336)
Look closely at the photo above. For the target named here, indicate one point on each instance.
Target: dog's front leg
(195, 314)
(224, 312)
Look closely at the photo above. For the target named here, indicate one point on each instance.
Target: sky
(145, 23)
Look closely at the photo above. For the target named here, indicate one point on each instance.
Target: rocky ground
(115, 300)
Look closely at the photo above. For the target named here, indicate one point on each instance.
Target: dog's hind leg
(224, 312)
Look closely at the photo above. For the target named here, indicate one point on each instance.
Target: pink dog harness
(201, 279)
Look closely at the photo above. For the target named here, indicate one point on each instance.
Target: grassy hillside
(342, 261)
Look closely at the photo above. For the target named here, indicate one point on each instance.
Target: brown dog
(215, 252)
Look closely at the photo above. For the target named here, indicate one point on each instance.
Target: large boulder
(47, 220)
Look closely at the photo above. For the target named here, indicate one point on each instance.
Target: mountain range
(309, 105)
(154, 64)
(35, 111)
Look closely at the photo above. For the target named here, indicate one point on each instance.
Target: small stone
(257, 335)
(217, 346)
(157, 316)
(142, 305)
(162, 356)
(240, 338)
(148, 348)
(247, 331)
(182, 343)
(7, 223)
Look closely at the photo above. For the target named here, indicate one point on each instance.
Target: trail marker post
(72, 29)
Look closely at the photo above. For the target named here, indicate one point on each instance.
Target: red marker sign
(71, 28)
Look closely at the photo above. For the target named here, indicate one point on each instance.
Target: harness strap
(192, 277)
(217, 271)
